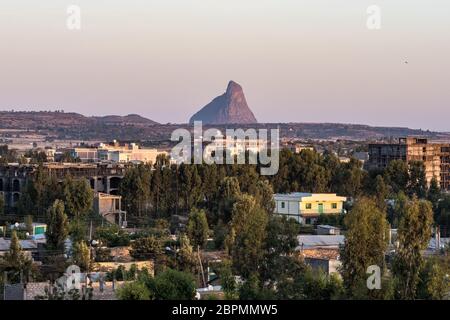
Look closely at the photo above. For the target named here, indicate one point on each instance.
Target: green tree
(135, 189)
(312, 176)
(16, 265)
(381, 192)
(172, 285)
(264, 196)
(434, 193)
(77, 230)
(279, 249)
(187, 260)
(68, 157)
(399, 208)
(442, 215)
(29, 224)
(197, 228)
(146, 248)
(311, 285)
(396, 175)
(163, 179)
(282, 181)
(414, 234)
(112, 236)
(433, 282)
(36, 156)
(103, 254)
(220, 234)
(365, 242)
(2, 204)
(39, 193)
(417, 179)
(135, 290)
(228, 193)
(210, 177)
(82, 255)
(78, 197)
(25, 204)
(352, 177)
(58, 227)
(229, 285)
(252, 289)
(190, 185)
(248, 227)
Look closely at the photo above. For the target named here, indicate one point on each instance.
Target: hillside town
(132, 224)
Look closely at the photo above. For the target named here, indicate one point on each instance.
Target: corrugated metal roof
(311, 241)
(432, 243)
(25, 244)
(298, 196)
(325, 226)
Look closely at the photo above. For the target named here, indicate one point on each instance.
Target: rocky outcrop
(229, 108)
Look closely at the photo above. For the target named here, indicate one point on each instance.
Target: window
(39, 230)
(308, 206)
(282, 205)
(334, 205)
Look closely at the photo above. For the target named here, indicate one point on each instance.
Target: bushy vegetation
(233, 204)
(112, 236)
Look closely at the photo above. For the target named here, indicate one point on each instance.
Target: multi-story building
(297, 148)
(127, 153)
(115, 153)
(435, 157)
(109, 207)
(85, 154)
(235, 147)
(102, 177)
(307, 207)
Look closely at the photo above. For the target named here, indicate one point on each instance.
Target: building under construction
(435, 157)
(103, 177)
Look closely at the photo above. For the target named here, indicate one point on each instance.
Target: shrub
(173, 285)
(146, 248)
(113, 236)
(133, 291)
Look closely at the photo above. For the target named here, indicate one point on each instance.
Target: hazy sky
(299, 61)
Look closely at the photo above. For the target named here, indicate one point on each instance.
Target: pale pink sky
(299, 61)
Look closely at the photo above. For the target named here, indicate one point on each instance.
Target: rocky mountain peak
(229, 108)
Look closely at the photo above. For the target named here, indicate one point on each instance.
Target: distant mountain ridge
(133, 127)
(128, 119)
(52, 119)
(228, 108)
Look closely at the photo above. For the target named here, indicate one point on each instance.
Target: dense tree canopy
(2, 204)
(78, 197)
(197, 228)
(248, 224)
(14, 263)
(414, 234)
(365, 242)
(58, 227)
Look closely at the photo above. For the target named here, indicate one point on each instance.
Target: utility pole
(90, 244)
(177, 177)
(201, 266)
(5, 281)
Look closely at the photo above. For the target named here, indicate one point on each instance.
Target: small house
(306, 208)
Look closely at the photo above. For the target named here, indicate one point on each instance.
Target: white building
(305, 208)
(236, 146)
(127, 153)
(116, 153)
